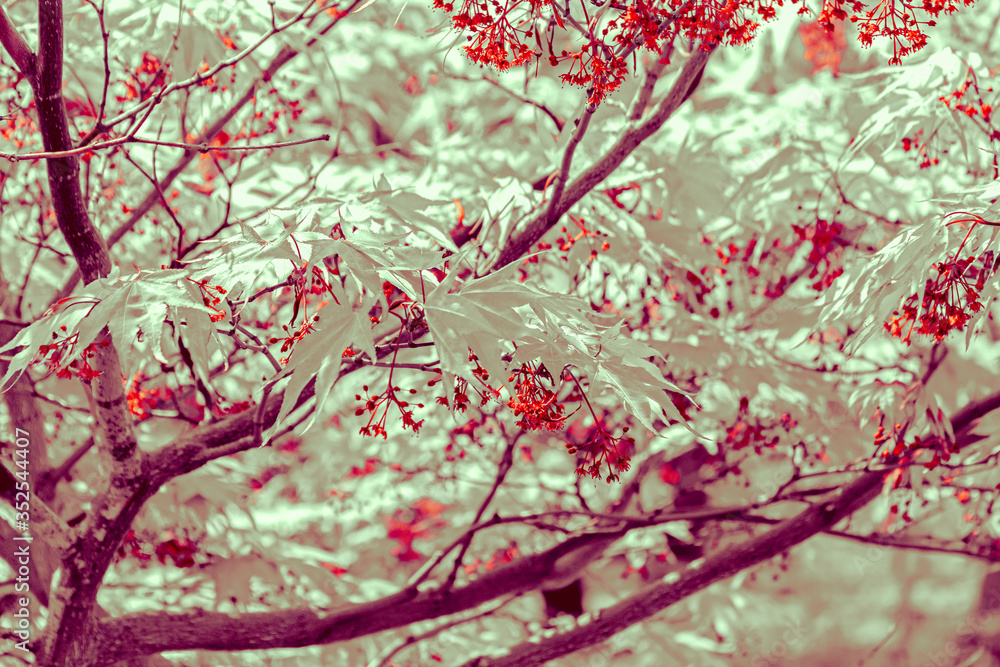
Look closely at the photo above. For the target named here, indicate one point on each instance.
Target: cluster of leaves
(336, 298)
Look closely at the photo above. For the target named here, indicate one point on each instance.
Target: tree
(595, 314)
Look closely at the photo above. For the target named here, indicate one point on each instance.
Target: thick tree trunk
(70, 635)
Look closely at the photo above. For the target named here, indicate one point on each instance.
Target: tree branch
(114, 423)
(658, 597)
(645, 92)
(13, 42)
(629, 140)
(41, 566)
(130, 139)
(139, 634)
(818, 518)
(72, 602)
(146, 633)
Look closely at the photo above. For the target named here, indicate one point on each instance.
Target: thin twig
(506, 462)
(416, 639)
(263, 348)
(520, 98)
(201, 77)
(111, 143)
(96, 130)
(54, 475)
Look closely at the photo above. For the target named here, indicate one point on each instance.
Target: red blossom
(179, 550)
(132, 546)
(405, 532)
(368, 469)
(143, 400)
(825, 241)
(537, 405)
(825, 43)
(509, 33)
(334, 569)
(669, 474)
(382, 403)
(757, 433)
(948, 301)
(54, 354)
(603, 450)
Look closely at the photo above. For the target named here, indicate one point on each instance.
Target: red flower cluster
(773, 260)
(968, 99)
(232, 409)
(825, 239)
(616, 192)
(370, 467)
(461, 398)
(603, 449)
(825, 43)
(149, 76)
(566, 242)
(266, 475)
(508, 33)
(499, 557)
(415, 526)
(132, 546)
(373, 404)
(180, 550)
(920, 148)
(141, 400)
(893, 443)
(744, 434)
(53, 354)
(746, 431)
(895, 19)
(289, 341)
(211, 296)
(948, 301)
(502, 29)
(536, 405)
(492, 32)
